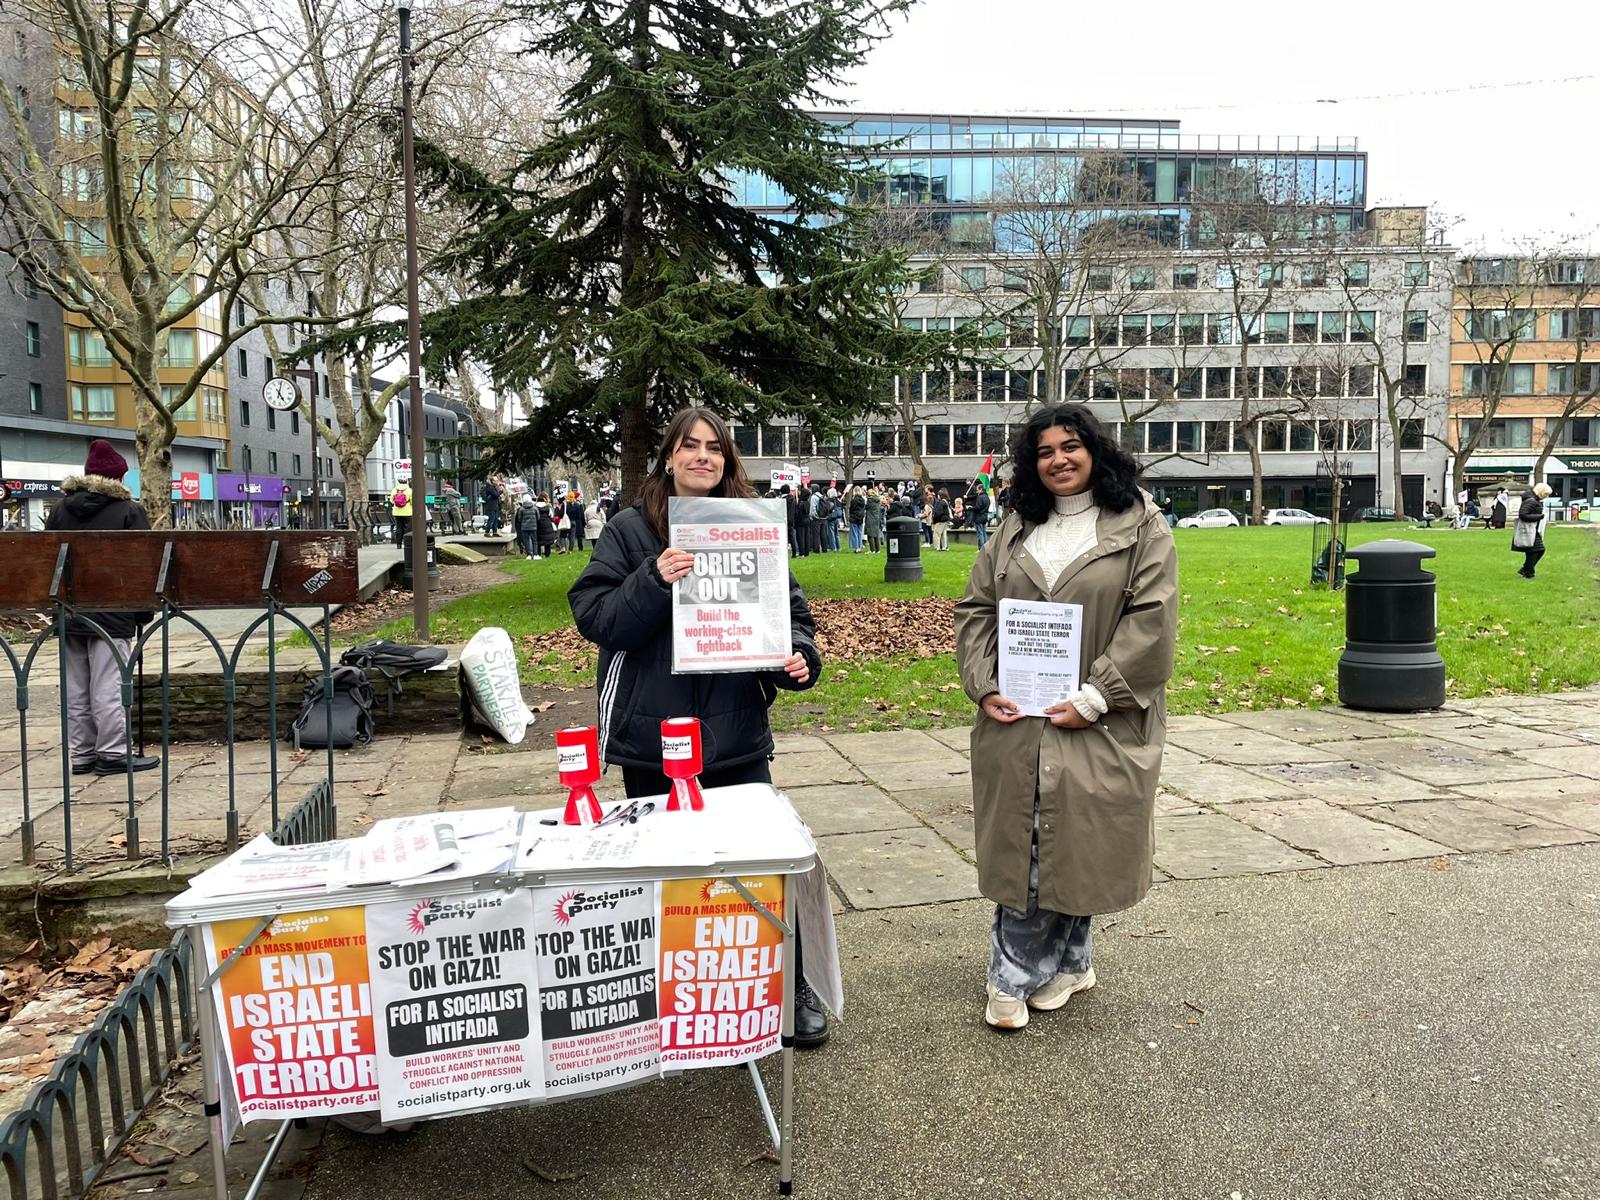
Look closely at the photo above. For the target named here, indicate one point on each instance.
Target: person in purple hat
(97, 724)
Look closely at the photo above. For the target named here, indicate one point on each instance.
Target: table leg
(786, 1101)
(210, 1073)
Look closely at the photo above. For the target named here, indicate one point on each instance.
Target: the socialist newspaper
(731, 612)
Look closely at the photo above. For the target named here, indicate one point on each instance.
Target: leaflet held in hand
(731, 613)
(1041, 652)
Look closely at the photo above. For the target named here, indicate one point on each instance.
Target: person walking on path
(525, 524)
(829, 509)
(978, 510)
(940, 519)
(873, 519)
(856, 515)
(1528, 536)
(97, 724)
(795, 513)
(1065, 803)
(401, 500)
(622, 602)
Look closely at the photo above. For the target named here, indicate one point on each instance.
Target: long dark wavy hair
(657, 485)
(1114, 478)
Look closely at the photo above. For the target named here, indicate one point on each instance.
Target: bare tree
(1258, 224)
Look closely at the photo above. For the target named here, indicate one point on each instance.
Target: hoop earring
(669, 470)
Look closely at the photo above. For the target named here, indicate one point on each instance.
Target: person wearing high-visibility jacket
(400, 498)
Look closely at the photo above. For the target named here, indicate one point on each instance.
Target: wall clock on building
(280, 394)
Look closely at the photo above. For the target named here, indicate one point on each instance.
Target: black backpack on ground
(352, 711)
(393, 657)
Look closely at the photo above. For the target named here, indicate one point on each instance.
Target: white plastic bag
(489, 674)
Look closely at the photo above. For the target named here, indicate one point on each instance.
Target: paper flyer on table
(1041, 648)
(295, 1011)
(262, 865)
(455, 994)
(721, 972)
(731, 613)
(596, 949)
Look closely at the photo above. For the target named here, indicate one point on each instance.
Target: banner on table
(295, 1014)
(596, 949)
(721, 972)
(731, 612)
(454, 987)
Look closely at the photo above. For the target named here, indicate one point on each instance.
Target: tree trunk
(1458, 475)
(1336, 498)
(153, 445)
(355, 478)
(636, 447)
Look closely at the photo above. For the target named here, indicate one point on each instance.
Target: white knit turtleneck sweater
(1062, 538)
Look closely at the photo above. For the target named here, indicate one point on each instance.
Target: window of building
(1500, 324)
(272, 462)
(1582, 432)
(938, 440)
(1135, 330)
(1188, 437)
(272, 418)
(1305, 327)
(244, 413)
(1219, 382)
(966, 439)
(1099, 279)
(1333, 324)
(1274, 381)
(1269, 275)
(1158, 437)
(1302, 436)
(267, 366)
(1519, 380)
(35, 397)
(1358, 435)
(1106, 331)
(294, 421)
(883, 439)
(1275, 328)
(87, 348)
(992, 440)
(1413, 432)
(1414, 381)
(1161, 329)
(1162, 382)
(1570, 270)
(1104, 386)
(744, 440)
(1416, 325)
(1191, 384)
(775, 441)
(1218, 436)
(1274, 437)
(1075, 331)
(1416, 274)
(931, 280)
(1362, 381)
(1219, 329)
(1303, 382)
(1558, 379)
(1131, 383)
(1314, 275)
(244, 361)
(1502, 433)
(296, 467)
(1142, 279)
(33, 338)
(992, 385)
(1356, 273)
(1185, 279)
(1224, 277)
(93, 402)
(180, 348)
(1589, 322)
(973, 277)
(1191, 329)
(1363, 325)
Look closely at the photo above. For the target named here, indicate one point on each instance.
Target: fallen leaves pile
(847, 631)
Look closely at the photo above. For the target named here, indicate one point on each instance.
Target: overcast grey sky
(1413, 83)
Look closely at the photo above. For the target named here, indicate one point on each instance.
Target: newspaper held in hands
(731, 612)
(1041, 651)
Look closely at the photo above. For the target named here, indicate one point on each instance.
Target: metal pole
(419, 461)
(1377, 455)
(316, 466)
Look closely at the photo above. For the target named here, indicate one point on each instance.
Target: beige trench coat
(1096, 786)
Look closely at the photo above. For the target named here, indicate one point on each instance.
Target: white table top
(750, 829)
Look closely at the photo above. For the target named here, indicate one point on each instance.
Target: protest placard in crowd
(731, 612)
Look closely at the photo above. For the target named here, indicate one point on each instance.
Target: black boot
(810, 1021)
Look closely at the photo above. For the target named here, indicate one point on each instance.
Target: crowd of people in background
(818, 512)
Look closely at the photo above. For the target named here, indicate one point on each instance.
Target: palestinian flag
(985, 477)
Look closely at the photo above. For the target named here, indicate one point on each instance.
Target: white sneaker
(1061, 989)
(1003, 1011)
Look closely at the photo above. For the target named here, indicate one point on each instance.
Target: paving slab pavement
(1374, 1031)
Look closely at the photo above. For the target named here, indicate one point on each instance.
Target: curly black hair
(1114, 478)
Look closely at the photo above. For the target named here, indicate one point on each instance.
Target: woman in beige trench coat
(1065, 803)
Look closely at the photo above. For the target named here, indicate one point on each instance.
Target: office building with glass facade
(1154, 342)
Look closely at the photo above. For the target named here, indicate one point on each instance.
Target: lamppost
(309, 278)
(419, 461)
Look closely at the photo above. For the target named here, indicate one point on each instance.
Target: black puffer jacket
(95, 502)
(621, 605)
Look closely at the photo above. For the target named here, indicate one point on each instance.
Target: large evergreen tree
(615, 267)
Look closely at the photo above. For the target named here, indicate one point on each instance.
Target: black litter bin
(905, 551)
(406, 577)
(1391, 661)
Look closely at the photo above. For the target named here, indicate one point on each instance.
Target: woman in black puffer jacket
(623, 603)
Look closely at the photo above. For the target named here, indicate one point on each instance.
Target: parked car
(1211, 518)
(1375, 514)
(1292, 516)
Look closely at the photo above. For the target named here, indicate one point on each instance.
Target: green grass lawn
(1253, 632)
